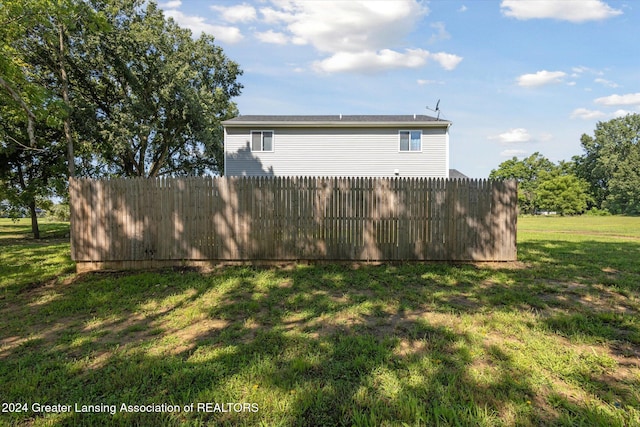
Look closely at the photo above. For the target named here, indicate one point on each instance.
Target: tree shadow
(340, 344)
(250, 164)
(149, 223)
(17, 232)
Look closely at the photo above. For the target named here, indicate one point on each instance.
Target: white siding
(337, 152)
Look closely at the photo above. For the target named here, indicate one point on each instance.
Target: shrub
(598, 212)
(59, 212)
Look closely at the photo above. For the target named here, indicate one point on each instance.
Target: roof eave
(336, 124)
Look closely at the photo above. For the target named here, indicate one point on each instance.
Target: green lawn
(553, 339)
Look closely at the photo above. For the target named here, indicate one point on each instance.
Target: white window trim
(262, 131)
(409, 150)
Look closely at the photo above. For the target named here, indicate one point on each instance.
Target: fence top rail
(293, 178)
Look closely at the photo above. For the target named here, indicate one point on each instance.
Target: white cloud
(172, 4)
(622, 113)
(513, 153)
(582, 69)
(628, 99)
(198, 25)
(385, 59)
(238, 13)
(272, 37)
(572, 11)
(516, 135)
(541, 78)
(545, 137)
(423, 82)
(586, 114)
(356, 36)
(607, 83)
(353, 26)
(447, 61)
(273, 16)
(371, 61)
(440, 34)
(463, 8)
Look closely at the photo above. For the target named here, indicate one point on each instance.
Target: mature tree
(29, 174)
(132, 91)
(611, 164)
(529, 172)
(30, 113)
(34, 50)
(149, 98)
(565, 194)
(15, 85)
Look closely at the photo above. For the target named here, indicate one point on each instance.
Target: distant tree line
(105, 88)
(605, 178)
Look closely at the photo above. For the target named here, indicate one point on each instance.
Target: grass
(553, 339)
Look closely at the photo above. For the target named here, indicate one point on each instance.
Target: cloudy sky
(514, 76)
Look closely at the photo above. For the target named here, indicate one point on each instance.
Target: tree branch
(24, 146)
(11, 21)
(31, 118)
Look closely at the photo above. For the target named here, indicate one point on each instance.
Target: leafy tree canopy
(564, 194)
(124, 90)
(611, 164)
(528, 172)
(31, 113)
(149, 98)
(543, 185)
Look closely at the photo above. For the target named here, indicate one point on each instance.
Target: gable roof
(456, 174)
(418, 120)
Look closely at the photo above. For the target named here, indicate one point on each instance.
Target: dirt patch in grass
(100, 360)
(9, 344)
(626, 353)
(588, 298)
(540, 401)
(504, 265)
(411, 348)
(607, 302)
(187, 338)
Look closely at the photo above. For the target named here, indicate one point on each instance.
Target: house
(365, 145)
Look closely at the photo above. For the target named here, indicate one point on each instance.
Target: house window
(410, 140)
(261, 140)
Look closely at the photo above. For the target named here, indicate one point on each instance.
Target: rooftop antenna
(436, 110)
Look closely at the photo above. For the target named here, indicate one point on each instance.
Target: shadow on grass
(340, 345)
(19, 231)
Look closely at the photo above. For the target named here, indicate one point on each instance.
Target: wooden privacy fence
(123, 223)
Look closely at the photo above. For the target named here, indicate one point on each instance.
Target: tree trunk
(65, 98)
(34, 220)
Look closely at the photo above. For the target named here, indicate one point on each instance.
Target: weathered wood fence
(124, 223)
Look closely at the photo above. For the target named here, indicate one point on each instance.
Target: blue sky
(514, 76)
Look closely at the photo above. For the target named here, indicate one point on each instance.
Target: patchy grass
(551, 340)
(28, 263)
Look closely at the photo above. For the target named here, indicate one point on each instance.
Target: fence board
(305, 218)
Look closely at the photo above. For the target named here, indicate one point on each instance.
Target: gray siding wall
(337, 152)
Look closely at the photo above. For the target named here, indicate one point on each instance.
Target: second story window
(261, 140)
(410, 140)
